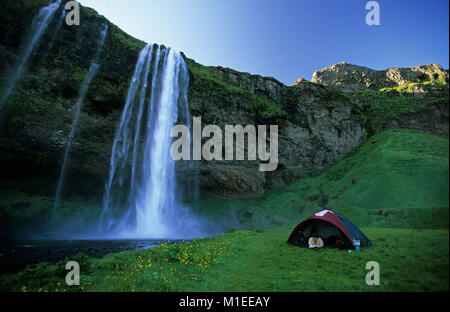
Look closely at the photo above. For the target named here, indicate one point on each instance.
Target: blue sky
(288, 39)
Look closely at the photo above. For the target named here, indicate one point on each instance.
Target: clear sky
(288, 39)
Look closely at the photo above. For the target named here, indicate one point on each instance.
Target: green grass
(410, 260)
(397, 178)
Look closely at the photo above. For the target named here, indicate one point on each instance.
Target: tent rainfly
(334, 229)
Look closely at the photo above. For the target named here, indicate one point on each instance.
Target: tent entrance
(330, 234)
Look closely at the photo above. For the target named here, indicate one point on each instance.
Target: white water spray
(40, 23)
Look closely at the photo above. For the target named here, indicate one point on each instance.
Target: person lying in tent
(315, 241)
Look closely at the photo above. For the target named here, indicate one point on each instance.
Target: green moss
(267, 110)
(126, 39)
(427, 85)
(376, 108)
(206, 84)
(91, 12)
(16, 19)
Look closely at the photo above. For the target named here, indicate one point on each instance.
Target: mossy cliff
(319, 123)
(36, 120)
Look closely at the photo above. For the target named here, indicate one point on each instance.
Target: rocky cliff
(348, 77)
(319, 121)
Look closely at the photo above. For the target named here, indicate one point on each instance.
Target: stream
(15, 255)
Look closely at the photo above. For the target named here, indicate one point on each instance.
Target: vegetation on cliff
(377, 108)
(206, 84)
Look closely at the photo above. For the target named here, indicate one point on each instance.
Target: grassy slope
(410, 260)
(397, 178)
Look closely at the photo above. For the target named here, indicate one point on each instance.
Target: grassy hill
(397, 178)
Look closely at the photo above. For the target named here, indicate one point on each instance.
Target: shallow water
(16, 254)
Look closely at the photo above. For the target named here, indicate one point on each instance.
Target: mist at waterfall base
(143, 198)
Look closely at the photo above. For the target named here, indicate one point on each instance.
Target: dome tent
(334, 229)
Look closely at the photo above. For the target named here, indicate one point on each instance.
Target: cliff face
(319, 122)
(36, 120)
(317, 127)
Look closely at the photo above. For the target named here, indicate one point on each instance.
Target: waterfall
(82, 93)
(140, 198)
(121, 145)
(39, 25)
(58, 26)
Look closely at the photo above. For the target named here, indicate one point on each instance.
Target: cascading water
(58, 26)
(39, 25)
(120, 151)
(83, 90)
(141, 196)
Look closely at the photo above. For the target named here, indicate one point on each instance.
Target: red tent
(332, 228)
